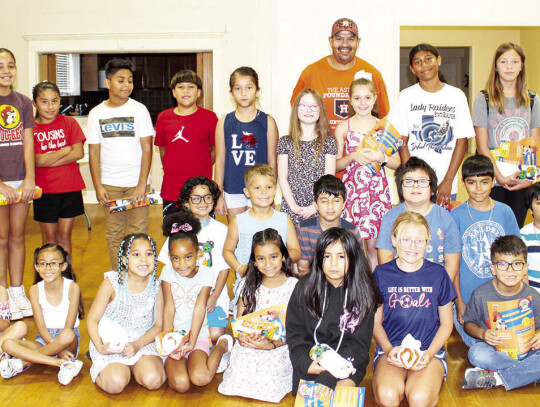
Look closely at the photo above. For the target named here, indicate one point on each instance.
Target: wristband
(384, 161)
(273, 344)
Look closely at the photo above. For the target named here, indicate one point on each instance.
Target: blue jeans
(467, 339)
(513, 373)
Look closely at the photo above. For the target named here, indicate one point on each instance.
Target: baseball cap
(344, 24)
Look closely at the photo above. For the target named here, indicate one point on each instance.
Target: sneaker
(68, 370)
(224, 363)
(476, 378)
(11, 367)
(23, 304)
(16, 313)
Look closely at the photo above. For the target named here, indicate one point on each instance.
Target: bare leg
(177, 374)
(388, 383)
(65, 227)
(149, 372)
(4, 236)
(202, 368)
(423, 386)
(372, 252)
(16, 246)
(49, 232)
(114, 378)
(18, 330)
(215, 333)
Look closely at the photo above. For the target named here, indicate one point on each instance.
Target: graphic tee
(433, 122)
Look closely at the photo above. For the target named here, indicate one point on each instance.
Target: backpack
(532, 95)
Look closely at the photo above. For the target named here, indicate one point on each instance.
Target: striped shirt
(531, 236)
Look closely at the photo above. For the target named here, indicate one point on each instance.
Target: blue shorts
(441, 355)
(55, 332)
(217, 318)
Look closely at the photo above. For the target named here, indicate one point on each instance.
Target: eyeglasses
(54, 265)
(503, 265)
(195, 199)
(406, 242)
(422, 182)
(313, 108)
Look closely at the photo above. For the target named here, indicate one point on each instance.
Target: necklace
(320, 319)
(490, 212)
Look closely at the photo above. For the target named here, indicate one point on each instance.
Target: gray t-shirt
(477, 310)
(513, 124)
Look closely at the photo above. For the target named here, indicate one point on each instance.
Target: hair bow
(184, 227)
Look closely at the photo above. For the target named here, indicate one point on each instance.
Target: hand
(66, 355)
(424, 360)
(519, 184)
(242, 269)
(254, 341)
(306, 211)
(28, 188)
(535, 341)
(392, 357)
(361, 156)
(9, 193)
(303, 268)
(179, 352)
(492, 337)
(102, 196)
(212, 301)
(104, 349)
(460, 309)
(315, 368)
(131, 349)
(221, 206)
(138, 196)
(443, 193)
(375, 156)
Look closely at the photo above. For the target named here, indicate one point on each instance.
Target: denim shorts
(441, 355)
(55, 332)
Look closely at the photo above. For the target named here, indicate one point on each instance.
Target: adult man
(332, 75)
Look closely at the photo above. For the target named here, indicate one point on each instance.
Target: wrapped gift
(37, 195)
(125, 204)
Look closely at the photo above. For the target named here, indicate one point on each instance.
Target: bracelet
(384, 161)
(273, 343)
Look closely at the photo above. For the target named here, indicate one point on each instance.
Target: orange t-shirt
(333, 85)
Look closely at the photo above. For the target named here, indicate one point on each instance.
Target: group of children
(432, 269)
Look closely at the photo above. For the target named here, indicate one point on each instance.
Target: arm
(460, 304)
(221, 282)
(199, 313)
(104, 295)
(74, 297)
(94, 153)
(28, 186)
(404, 153)
(341, 161)
(230, 246)
(74, 154)
(330, 164)
(384, 256)
(482, 147)
(272, 136)
(219, 168)
(48, 159)
(445, 187)
(487, 335)
(161, 154)
(168, 308)
(146, 162)
(213, 154)
(451, 264)
(382, 339)
(133, 347)
(38, 314)
(293, 245)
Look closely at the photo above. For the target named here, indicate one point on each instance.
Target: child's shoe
(11, 367)
(68, 370)
(476, 378)
(14, 310)
(19, 298)
(224, 363)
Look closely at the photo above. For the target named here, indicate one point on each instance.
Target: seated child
(265, 362)
(530, 234)
(329, 194)
(56, 302)
(260, 187)
(480, 221)
(493, 367)
(417, 300)
(129, 302)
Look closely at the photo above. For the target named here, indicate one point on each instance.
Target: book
(384, 137)
(268, 322)
(514, 322)
(340, 397)
(518, 157)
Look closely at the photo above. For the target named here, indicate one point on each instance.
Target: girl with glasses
(306, 154)
(417, 189)
(417, 299)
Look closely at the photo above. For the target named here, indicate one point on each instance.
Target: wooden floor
(38, 385)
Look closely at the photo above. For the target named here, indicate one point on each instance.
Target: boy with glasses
(517, 305)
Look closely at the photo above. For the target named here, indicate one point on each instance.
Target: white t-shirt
(433, 122)
(211, 240)
(118, 130)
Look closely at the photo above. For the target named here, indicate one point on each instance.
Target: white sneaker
(16, 313)
(22, 302)
(68, 371)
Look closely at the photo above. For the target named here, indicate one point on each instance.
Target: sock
(498, 380)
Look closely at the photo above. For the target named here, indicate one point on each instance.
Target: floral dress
(257, 373)
(368, 196)
(135, 312)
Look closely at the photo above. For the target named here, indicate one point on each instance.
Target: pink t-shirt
(61, 132)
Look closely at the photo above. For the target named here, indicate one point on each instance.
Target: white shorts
(236, 200)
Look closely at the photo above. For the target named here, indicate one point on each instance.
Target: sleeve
(300, 85)
(75, 132)
(93, 133)
(144, 125)
(166, 274)
(535, 113)
(213, 119)
(399, 115)
(452, 237)
(283, 146)
(304, 244)
(299, 338)
(384, 241)
(473, 312)
(463, 115)
(27, 114)
(512, 227)
(536, 308)
(480, 112)
(208, 280)
(160, 131)
(330, 145)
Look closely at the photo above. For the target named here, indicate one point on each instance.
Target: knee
(199, 378)
(387, 396)
(7, 345)
(153, 380)
(420, 398)
(19, 329)
(114, 384)
(179, 384)
(479, 356)
(66, 337)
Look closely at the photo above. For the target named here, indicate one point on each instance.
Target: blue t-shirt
(245, 145)
(477, 233)
(411, 300)
(442, 228)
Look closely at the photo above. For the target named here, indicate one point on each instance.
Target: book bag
(532, 95)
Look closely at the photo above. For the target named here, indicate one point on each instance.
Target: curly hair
(194, 182)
